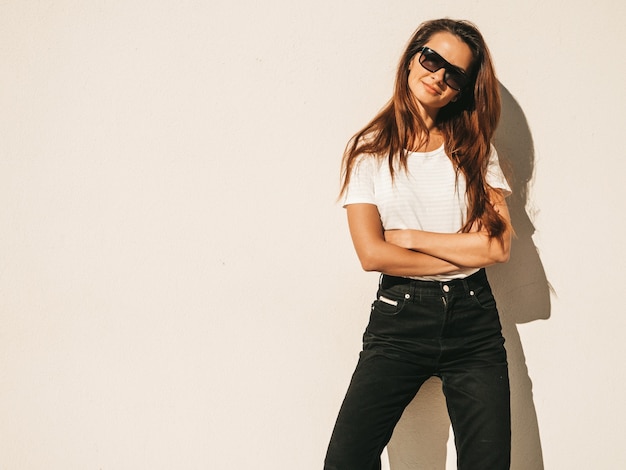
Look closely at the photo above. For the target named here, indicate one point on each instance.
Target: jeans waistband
(466, 284)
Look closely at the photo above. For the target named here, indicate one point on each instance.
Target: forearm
(474, 249)
(376, 254)
(396, 261)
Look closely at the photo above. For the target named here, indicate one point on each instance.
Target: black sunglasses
(454, 77)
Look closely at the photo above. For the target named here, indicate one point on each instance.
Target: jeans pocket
(387, 305)
(483, 298)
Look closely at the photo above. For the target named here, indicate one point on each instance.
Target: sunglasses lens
(455, 80)
(432, 62)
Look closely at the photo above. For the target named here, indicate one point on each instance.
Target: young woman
(425, 198)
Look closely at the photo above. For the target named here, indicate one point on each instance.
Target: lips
(431, 90)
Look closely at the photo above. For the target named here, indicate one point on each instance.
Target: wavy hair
(467, 124)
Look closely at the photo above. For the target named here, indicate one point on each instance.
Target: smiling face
(429, 88)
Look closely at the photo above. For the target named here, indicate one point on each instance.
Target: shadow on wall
(523, 295)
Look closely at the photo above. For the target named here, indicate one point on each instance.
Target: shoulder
(367, 162)
(495, 177)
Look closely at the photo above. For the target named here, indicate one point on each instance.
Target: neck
(429, 116)
(433, 138)
(430, 140)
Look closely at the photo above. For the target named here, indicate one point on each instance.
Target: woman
(425, 199)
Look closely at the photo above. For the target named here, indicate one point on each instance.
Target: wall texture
(177, 285)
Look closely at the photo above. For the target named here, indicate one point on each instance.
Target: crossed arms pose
(419, 253)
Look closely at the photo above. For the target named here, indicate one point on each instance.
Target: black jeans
(419, 329)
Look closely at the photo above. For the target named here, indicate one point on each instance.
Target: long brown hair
(467, 124)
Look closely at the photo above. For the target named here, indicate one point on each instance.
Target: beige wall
(177, 285)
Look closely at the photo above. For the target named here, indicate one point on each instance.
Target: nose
(439, 75)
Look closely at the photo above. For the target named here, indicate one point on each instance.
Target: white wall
(177, 285)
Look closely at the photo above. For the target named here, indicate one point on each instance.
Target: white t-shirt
(425, 197)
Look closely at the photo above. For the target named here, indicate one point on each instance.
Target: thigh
(380, 389)
(478, 401)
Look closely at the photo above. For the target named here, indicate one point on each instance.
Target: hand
(401, 238)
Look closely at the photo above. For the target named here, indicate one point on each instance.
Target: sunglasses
(454, 77)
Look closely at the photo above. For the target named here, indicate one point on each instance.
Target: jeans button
(446, 288)
(407, 296)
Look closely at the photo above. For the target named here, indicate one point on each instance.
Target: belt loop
(465, 286)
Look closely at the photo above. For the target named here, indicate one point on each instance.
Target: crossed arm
(420, 253)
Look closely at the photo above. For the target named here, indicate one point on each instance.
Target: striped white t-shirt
(425, 197)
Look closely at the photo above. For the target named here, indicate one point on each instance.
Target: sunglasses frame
(447, 66)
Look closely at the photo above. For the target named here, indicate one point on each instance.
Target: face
(429, 88)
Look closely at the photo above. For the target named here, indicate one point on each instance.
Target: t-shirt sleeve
(495, 177)
(361, 187)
